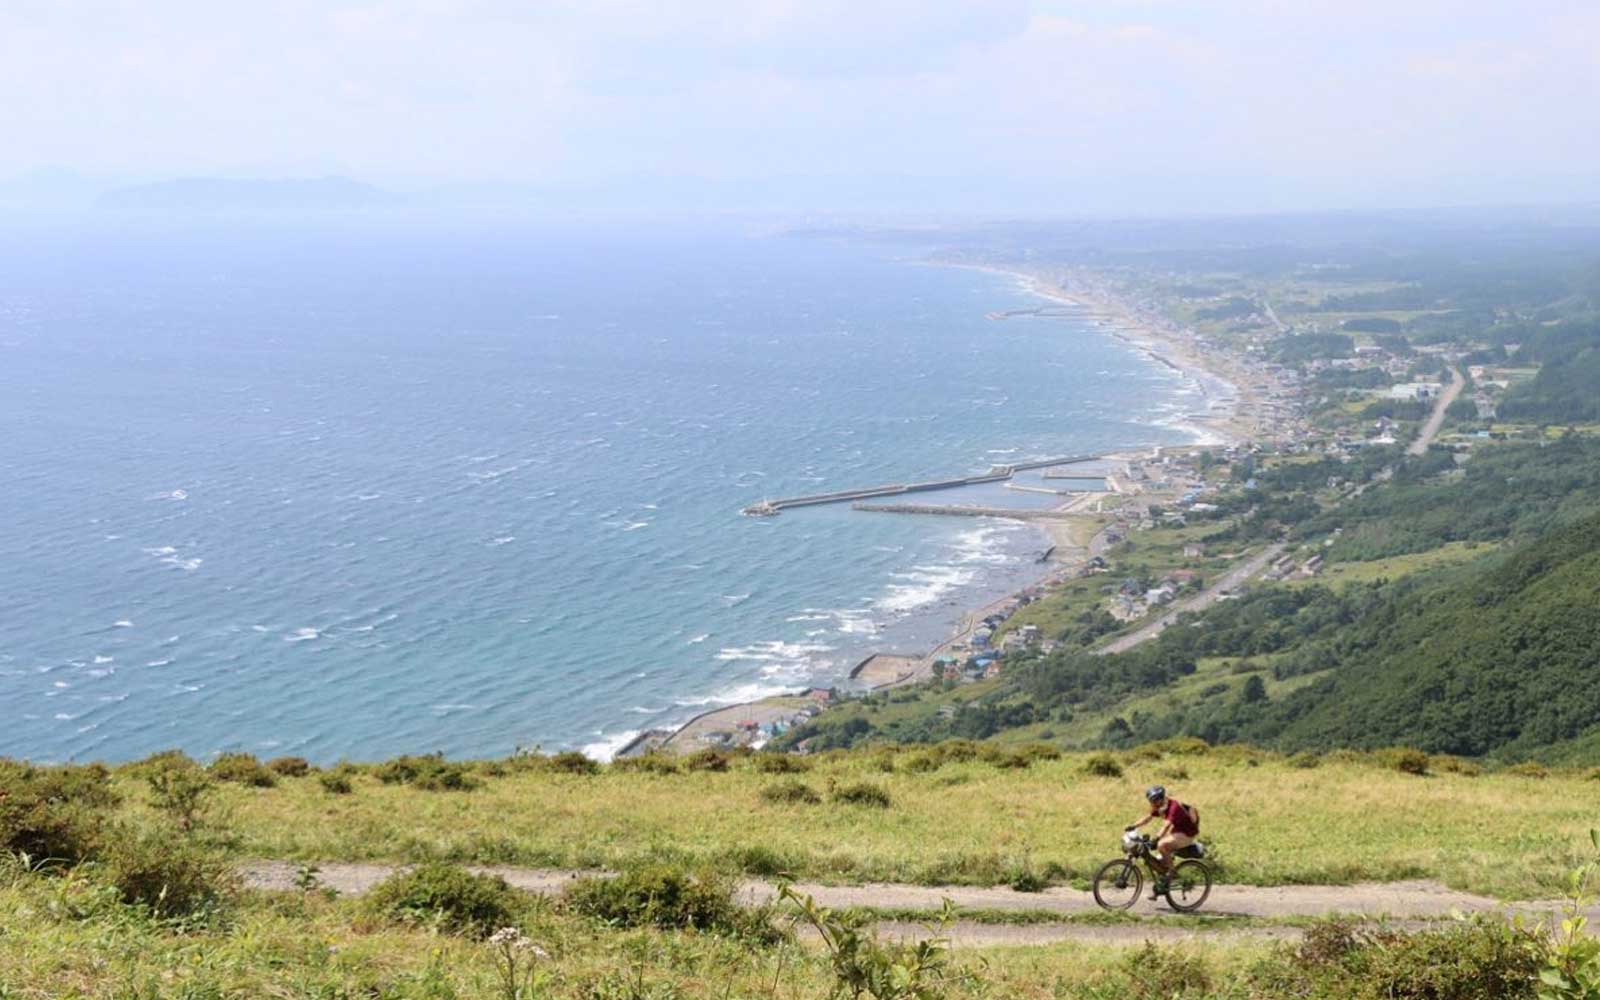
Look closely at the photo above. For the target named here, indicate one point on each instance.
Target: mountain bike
(1119, 882)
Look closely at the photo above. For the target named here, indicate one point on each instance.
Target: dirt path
(1403, 901)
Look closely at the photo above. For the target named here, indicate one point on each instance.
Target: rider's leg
(1168, 846)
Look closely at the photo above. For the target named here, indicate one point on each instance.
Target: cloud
(1317, 99)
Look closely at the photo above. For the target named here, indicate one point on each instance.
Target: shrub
(1156, 973)
(157, 763)
(1529, 769)
(1449, 764)
(289, 767)
(446, 897)
(791, 792)
(572, 762)
(1024, 878)
(922, 763)
(664, 896)
(53, 814)
(1305, 760)
(430, 772)
(654, 762)
(243, 769)
(763, 861)
(956, 751)
(171, 878)
(1405, 760)
(862, 794)
(1014, 760)
(179, 788)
(706, 760)
(781, 763)
(336, 782)
(1102, 765)
(1486, 960)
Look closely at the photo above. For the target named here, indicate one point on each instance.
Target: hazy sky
(1066, 106)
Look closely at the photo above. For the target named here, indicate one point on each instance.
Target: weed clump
(430, 772)
(706, 760)
(53, 814)
(1405, 760)
(289, 767)
(862, 793)
(781, 763)
(179, 788)
(1305, 760)
(1529, 769)
(668, 897)
(337, 781)
(446, 897)
(790, 792)
(170, 878)
(654, 762)
(761, 861)
(572, 762)
(1450, 764)
(242, 769)
(1102, 765)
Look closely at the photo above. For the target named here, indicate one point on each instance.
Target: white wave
(368, 496)
(187, 565)
(104, 659)
(502, 540)
(64, 717)
(164, 550)
(157, 663)
(606, 747)
(172, 495)
(646, 709)
(302, 634)
(809, 618)
(259, 628)
(635, 525)
(733, 599)
(926, 585)
(774, 651)
(447, 709)
(122, 623)
(702, 637)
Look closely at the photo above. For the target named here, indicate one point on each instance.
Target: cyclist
(1180, 826)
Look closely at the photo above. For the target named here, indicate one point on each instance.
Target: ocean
(349, 492)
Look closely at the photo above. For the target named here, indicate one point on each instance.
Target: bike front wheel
(1117, 884)
(1189, 886)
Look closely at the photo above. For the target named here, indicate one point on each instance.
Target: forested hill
(1504, 663)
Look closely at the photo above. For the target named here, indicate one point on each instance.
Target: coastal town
(1347, 388)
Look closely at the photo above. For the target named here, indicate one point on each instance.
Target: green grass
(967, 823)
(1393, 568)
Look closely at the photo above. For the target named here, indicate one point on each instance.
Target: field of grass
(1349, 819)
(59, 943)
(1343, 573)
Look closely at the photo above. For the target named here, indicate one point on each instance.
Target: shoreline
(1069, 553)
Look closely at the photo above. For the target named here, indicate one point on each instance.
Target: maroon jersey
(1177, 814)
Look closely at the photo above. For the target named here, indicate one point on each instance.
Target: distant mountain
(51, 188)
(216, 194)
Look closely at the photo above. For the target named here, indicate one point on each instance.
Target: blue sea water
(350, 493)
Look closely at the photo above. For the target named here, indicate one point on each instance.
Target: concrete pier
(997, 474)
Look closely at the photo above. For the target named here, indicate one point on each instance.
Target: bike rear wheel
(1117, 884)
(1188, 886)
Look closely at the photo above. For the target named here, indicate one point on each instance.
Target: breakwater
(962, 510)
(997, 474)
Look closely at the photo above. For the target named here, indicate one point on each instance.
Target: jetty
(996, 474)
(964, 510)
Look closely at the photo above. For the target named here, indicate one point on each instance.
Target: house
(821, 696)
(1413, 390)
(1194, 550)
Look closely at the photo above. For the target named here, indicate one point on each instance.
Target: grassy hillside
(149, 911)
(957, 813)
